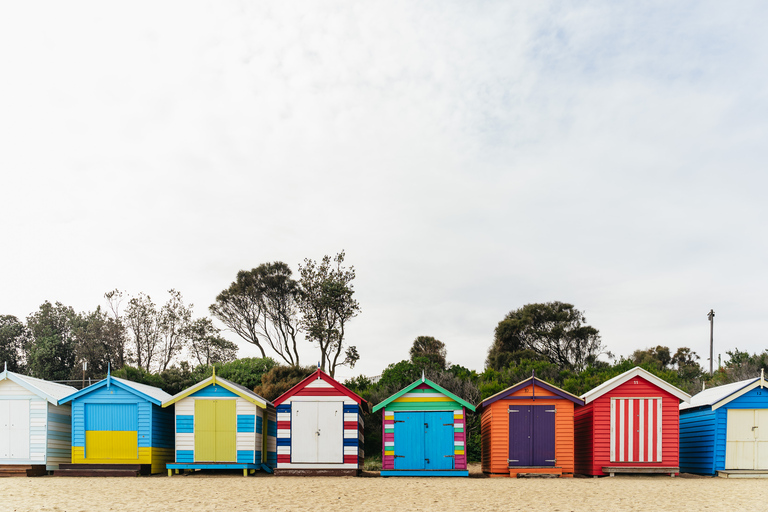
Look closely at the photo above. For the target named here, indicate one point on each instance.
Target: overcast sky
(469, 157)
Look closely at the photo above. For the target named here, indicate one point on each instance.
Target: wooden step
(95, 472)
(23, 470)
(103, 470)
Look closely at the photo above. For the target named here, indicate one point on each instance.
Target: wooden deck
(612, 470)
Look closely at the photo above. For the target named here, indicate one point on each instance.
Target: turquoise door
(438, 440)
(424, 440)
(409, 440)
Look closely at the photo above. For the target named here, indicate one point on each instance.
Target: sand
(265, 492)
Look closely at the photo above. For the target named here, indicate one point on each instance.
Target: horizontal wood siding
(185, 437)
(271, 432)
(162, 428)
(637, 387)
(697, 441)
(9, 389)
(246, 441)
(59, 436)
(38, 420)
(583, 440)
(721, 427)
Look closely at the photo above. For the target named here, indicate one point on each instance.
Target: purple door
(520, 435)
(531, 435)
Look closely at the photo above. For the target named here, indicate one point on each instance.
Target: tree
(327, 305)
(659, 357)
(431, 349)
(280, 379)
(117, 333)
(50, 351)
(207, 346)
(173, 322)
(142, 319)
(13, 334)
(99, 341)
(261, 307)
(554, 330)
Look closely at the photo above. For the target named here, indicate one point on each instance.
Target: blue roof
(150, 393)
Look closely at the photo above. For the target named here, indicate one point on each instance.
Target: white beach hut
(34, 429)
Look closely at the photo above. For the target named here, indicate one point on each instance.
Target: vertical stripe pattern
(636, 430)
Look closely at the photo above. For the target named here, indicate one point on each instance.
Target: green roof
(429, 383)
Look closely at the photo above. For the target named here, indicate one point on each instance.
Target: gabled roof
(617, 381)
(213, 380)
(429, 383)
(319, 374)
(149, 393)
(524, 384)
(721, 395)
(51, 391)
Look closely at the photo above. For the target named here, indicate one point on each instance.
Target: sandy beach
(264, 492)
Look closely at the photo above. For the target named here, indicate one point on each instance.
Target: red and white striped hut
(320, 428)
(629, 424)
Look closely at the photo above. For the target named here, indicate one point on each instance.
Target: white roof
(617, 381)
(150, 391)
(51, 391)
(717, 394)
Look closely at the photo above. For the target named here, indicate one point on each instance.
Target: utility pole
(711, 316)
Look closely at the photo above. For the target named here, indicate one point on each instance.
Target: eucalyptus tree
(206, 344)
(327, 306)
(261, 306)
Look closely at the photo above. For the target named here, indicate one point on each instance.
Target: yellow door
(109, 445)
(215, 431)
(226, 431)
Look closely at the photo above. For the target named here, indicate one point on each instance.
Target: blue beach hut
(34, 426)
(724, 430)
(119, 429)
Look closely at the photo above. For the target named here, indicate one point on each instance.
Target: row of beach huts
(633, 423)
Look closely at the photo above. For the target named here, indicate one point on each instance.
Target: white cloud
(471, 158)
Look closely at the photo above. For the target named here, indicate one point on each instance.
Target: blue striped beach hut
(724, 430)
(223, 425)
(34, 425)
(119, 425)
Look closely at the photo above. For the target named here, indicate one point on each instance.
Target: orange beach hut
(528, 428)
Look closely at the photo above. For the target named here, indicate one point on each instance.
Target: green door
(215, 431)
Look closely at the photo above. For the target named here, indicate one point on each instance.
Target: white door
(19, 433)
(5, 429)
(317, 432)
(741, 439)
(304, 432)
(330, 426)
(761, 454)
(14, 429)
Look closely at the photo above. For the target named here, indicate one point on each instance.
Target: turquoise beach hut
(424, 432)
(34, 425)
(724, 430)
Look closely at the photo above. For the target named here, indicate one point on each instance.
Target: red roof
(338, 389)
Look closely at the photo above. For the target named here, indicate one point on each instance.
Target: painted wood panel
(495, 428)
(600, 434)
